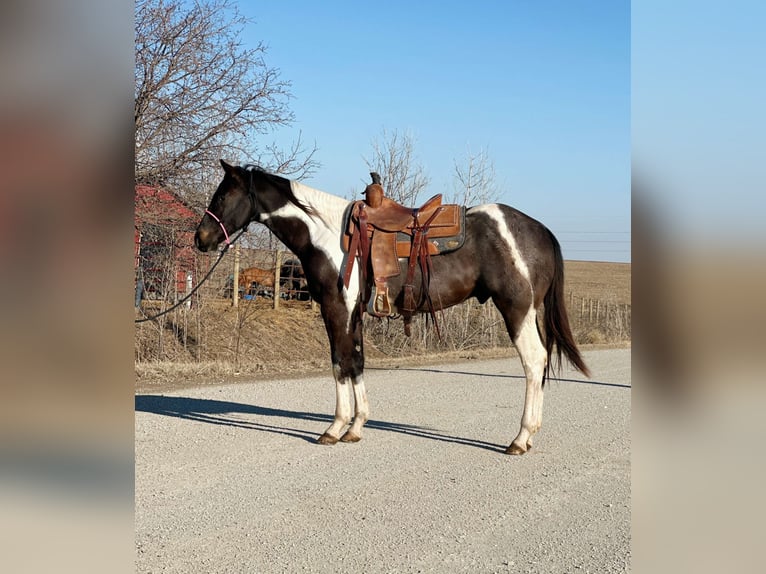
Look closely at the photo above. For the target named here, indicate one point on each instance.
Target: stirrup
(379, 304)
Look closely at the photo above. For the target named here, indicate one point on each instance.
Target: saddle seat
(392, 216)
(383, 231)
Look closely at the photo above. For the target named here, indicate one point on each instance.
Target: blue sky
(543, 87)
(698, 114)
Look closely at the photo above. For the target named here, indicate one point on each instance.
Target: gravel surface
(229, 479)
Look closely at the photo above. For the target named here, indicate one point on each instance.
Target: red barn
(164, 242)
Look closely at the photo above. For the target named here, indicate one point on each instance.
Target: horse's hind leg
(526, 338)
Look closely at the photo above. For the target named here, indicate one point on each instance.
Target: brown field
(598, 280)
(217, 343)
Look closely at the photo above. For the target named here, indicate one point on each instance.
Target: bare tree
(394, 159)
(474, 180)
(200, 95)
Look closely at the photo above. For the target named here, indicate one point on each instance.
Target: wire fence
(167, 268)
(599, 320)
(472, 326)
(218, 323)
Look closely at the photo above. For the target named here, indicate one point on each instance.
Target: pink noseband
(211, 214)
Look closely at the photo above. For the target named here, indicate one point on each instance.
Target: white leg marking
(342, 408)
(361, 408)
(533, 358)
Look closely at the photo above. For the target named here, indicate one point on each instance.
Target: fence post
(235, 281)
(277, 273)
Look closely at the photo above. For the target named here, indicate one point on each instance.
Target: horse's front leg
(348, 365)
(361, 411)
(342, 410)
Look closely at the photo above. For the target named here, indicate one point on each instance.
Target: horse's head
(231, 208)
(245, 194)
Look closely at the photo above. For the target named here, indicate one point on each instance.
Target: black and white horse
(507, 257)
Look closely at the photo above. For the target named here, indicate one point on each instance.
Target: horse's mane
(281, 183)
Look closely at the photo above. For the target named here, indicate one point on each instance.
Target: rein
(419, 255)
(360, 246)
(229, 243)
(205, 278)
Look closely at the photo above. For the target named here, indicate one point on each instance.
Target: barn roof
(159, 205)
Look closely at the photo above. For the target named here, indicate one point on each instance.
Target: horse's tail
(556, 320)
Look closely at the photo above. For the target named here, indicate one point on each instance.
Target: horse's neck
(329, 209)
(323, 222)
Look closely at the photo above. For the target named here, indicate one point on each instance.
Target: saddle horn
(374, 191)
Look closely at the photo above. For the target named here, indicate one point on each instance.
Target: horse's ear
(227, 167)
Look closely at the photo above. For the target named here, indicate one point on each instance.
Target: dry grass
(599, 300)
(219, 341)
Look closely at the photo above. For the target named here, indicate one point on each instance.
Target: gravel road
(228, 478)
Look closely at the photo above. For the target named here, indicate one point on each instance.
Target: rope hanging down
(205, 278)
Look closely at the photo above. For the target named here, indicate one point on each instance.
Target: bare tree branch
(393, 158)
(201, 95)
(297, 162)
(474, 181)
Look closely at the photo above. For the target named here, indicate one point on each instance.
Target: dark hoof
(350, 437)
(327, 439)
(515, 449)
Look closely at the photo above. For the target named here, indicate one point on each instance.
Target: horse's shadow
(251, 417)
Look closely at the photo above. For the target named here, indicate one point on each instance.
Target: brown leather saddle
(383, 231)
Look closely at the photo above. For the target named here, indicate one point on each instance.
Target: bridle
(251, 195)
(200, 283)
(229, 243)
(223, 227)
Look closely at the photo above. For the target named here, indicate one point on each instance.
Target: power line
(600, 232)
(598, 250)
(605, 241)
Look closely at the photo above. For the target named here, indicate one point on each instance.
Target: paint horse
(507, 257)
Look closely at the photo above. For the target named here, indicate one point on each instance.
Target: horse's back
(521, 244)
(528, 232)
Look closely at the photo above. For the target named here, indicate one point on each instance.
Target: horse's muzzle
(204, 241)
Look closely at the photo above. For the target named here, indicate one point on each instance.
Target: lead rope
(205, 278)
